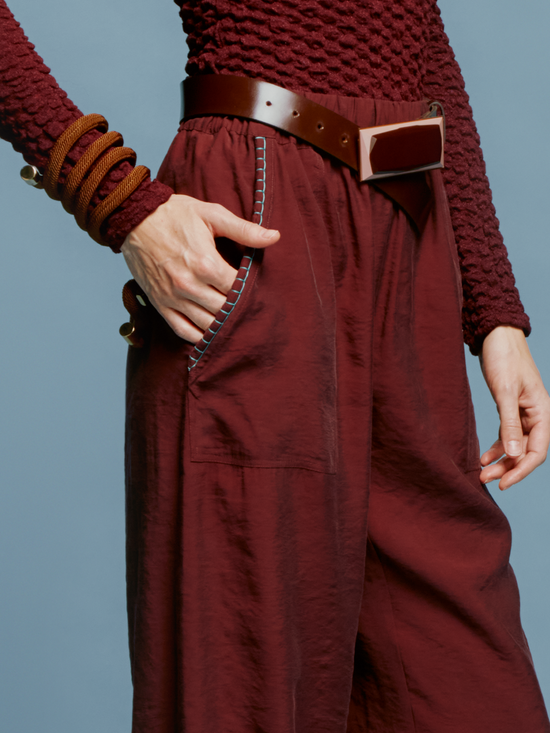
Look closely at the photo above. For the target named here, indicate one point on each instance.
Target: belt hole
(295, 113)
(320, 126)
(268, 104)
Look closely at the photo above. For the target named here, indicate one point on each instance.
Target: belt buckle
(404, 147)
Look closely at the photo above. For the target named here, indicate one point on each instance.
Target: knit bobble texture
(381, 49)
(386, 49)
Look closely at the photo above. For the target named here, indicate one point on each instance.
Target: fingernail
(513, 448)
(268, 233)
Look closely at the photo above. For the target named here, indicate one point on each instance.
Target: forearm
(34, 112)
(490, 294)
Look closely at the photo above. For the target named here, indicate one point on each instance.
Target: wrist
(145, 201)
(503, 335)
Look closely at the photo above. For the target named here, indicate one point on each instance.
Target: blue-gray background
(64, 662)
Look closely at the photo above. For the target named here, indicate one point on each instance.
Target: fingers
(199, 284)
(511, 443)
(200, 317)
(512, 470)
(535, 452)
(523, 405)
(493, 454)
(511, 429)
(492, 467)
(524, 438)
(189, 326)
(187, 318)
(172, 255)
(210, 271)
(226, 224)
(511, 474)
(182, 326)
(496, 470)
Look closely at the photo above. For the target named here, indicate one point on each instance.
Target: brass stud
(128, 333)
(31, 176)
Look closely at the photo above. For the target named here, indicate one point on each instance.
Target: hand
(173, 257)
(523, 405)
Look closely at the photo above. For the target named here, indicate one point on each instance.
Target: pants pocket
(262, 387)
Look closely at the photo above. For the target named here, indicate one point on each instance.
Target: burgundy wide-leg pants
(310, 549)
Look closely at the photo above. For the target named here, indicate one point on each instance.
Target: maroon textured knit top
(388, 49)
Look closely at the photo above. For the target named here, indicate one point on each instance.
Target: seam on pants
(405, 677)
(236, 291)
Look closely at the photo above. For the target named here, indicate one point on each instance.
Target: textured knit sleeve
(34, 112)
(490, 295)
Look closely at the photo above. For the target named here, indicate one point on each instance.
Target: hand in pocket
(172, 255)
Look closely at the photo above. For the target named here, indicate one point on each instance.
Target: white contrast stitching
(260, 143)
(246, 262)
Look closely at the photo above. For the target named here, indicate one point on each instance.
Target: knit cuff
(474, 336)
(146, 199)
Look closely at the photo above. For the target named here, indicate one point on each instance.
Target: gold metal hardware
(129, 334)
(31, 176)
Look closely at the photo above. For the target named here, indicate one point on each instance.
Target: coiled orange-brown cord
(83, 180)
(62, 147)
(75, 177)
(124, 189)
(98, 173)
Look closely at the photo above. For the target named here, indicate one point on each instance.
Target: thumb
(226, 224)
(511, 431)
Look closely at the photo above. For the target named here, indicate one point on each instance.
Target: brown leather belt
(236, 96)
